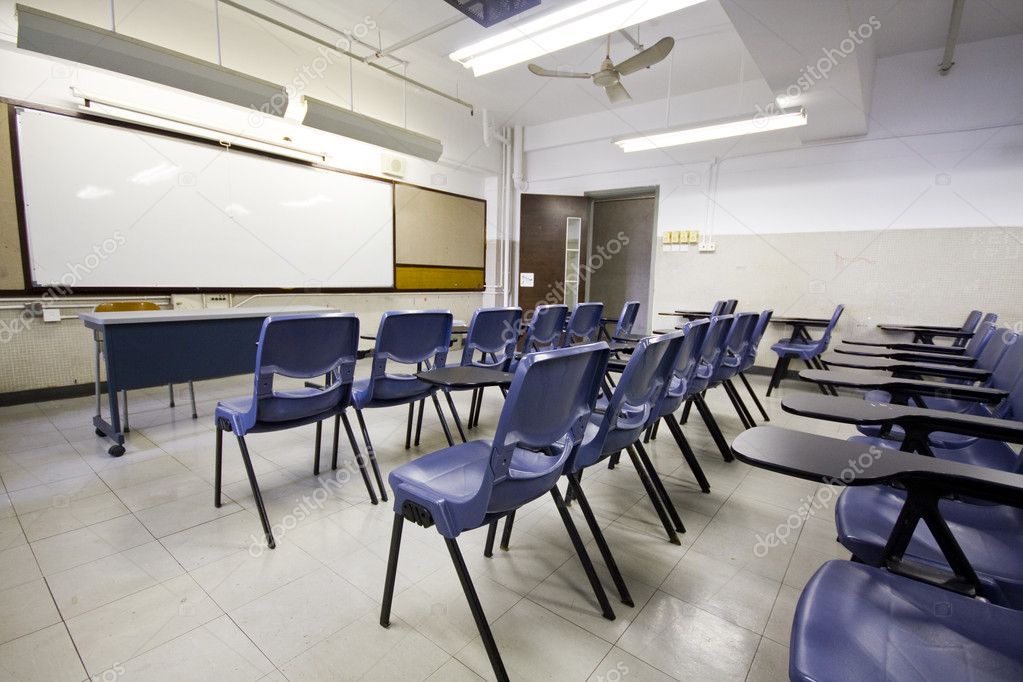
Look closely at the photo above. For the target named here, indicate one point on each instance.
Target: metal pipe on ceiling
(953, 36)
(426, 33)
(347, 53)
(321, 24)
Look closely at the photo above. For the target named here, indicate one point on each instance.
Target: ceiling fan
(610, 74)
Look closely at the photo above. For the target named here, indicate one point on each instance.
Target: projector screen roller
(112, 207)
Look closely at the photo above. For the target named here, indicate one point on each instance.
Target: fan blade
(617, 93)
(540, 71)
(648, 57)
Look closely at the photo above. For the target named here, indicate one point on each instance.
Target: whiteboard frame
(31, 287)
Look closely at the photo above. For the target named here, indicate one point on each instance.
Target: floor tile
(771, 664)
(26, 608)
(688, 642)
(18, 565)
(47, 655)
(74, 548)
(536, 644)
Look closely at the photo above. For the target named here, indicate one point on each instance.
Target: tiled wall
(61, 353)
(914, 276)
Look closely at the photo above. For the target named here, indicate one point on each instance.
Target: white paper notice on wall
(525, 279)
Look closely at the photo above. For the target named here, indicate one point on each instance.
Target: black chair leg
(477, 611)
(653, 430)
(372, 455)
(358, 458)
(472, 409)
(488, 549)
(780, 368)
(753, 394)
(419, 421)
(584, 557)
(454, 414)
(685, 411)
(655, 478)
(334, 445)
(715, 430)
(316, 450)
(687, 453)
(654, 498)
(598, 535)
(742, 404)
(408, 428)
(509, 521)
(735, 406)
(613, 460)
(443, 421)
(646, 433)
(256, 494)
(218, 466)
(392, 570)
(820, 387)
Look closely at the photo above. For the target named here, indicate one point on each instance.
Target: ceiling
(710, 52)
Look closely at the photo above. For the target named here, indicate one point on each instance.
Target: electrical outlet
(708, 247)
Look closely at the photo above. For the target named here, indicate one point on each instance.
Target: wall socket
(708, 247)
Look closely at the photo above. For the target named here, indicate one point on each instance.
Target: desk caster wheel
(116, 450)
(99, 432)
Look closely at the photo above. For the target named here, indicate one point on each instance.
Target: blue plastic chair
(299, 347)
(711, 354)
(751, 358)
(583, 325)
(409, 337)
(719, 308)
(543, 330)
(681, 389)
(490, 342)
(736, 350)
(470, 485)
(856, 623)
(808, 352)
(626, 322)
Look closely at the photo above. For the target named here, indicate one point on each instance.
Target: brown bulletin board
(11, 275)
(440, 239)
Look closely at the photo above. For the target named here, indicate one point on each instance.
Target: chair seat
(941, 439)
(856, 623)
(932, 402)
(798, 349)
(395, 389)
(287, 412)
(989, 535)
(986, 453)
(450, 484)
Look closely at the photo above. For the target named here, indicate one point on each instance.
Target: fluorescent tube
(560, 29)
(712, 131)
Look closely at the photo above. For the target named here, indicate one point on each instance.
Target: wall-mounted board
(11, 275)
(114, 207)
(440, 239)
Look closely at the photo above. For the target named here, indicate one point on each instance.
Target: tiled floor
(122, 569)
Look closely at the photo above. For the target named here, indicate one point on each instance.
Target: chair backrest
(1010, 367)
(492, 332)
(730, 306)
(994, 350)
(740, 335)
(758, 335)
(544, 417)
(633, 401)
(125, 306)
(303, 346)
(719, 308)
(409, 337)
(969, 325)
(713, 349)
(980, 339)
(971, 321)
(826, 337)
(688, 359)
(627, 320)
(545, 327)
(584, 325)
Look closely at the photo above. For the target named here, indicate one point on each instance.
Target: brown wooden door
(542, 245)
(623, 237)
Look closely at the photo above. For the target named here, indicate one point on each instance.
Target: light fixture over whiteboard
(716, 130)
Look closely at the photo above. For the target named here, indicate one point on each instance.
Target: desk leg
(111, 429)
(454, 413)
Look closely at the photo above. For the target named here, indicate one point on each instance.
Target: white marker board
(112, 207)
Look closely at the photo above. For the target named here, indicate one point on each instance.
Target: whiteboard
(108, 206)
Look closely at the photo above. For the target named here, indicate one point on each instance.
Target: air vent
(490, 12)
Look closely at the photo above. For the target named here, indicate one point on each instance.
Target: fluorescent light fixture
(712, 131)
(105, 107)
(347, 123)
(58, 36)
(560, 29)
